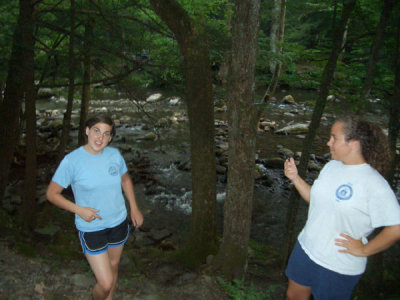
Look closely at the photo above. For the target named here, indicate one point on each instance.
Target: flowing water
(169, 201)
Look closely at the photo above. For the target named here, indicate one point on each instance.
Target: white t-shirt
(350, 199)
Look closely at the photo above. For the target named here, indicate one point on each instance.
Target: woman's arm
(301, 186)
(386, 238)
(54, 195)
(127, 186)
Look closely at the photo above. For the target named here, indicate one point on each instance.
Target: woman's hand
(88, 214)
(290, 169)
(137, 217)
(350, 245)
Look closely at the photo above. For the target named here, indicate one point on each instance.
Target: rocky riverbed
(49, 264)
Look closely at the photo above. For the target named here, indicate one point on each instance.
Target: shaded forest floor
(42, 266)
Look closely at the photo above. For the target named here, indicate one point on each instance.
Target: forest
(237, 57)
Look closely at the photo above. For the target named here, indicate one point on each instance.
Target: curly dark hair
(101, 118)
(374, 143)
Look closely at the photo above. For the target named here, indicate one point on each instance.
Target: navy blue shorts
(325, 284)
(97, 242)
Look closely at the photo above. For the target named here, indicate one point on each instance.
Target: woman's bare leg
(297, 291)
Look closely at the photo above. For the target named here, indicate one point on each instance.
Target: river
(156, 133)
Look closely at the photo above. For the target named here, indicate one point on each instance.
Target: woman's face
(99, 135)
(340, 148)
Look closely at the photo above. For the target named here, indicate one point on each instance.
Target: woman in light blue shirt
(98, 176)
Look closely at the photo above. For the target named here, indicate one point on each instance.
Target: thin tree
(376, 283)
(193, 45)
(326, 80)
(87, 75)
(242, 130)
(14, 93)
(29, 201)
(71, 86)
(277, 35)
(376, 45)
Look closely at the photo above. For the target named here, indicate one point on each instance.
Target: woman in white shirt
(348, 200)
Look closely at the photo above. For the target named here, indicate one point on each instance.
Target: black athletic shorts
(97, 242)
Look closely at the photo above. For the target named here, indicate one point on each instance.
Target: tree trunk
(13, 95)
(326, 80)
(376, 44)
(71, 88)
(87, 72)
(378, 261)
(193, 46)
(277, 49)
(274, 33)
(243, 117)
(29, 203)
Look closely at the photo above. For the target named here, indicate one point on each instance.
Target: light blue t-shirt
(96, 183)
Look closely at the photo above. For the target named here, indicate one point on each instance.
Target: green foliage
(238, 290)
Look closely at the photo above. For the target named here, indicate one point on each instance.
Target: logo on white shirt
(344, 192)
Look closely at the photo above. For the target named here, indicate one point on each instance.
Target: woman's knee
(105, 284)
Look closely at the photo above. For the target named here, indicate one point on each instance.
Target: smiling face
(99, 135)
(340, 148)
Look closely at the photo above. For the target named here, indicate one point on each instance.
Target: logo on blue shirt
(344, 192)
(113, 170)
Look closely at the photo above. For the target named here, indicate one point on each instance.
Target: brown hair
(374, 143)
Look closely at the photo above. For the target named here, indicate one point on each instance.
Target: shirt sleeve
(64, 173)
(383, 205)
(123, 168)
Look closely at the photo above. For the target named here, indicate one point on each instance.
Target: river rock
(286, 153)
(164, 122)
(313, 166)
(267, 125)
(293, 129)
(151, 136)
(288, 99)
(174, 101)
(154, 97)
(274, 163)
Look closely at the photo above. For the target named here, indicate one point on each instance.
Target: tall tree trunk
(377, 266)
(29, 203)
(193, 45)
(274, 33)
(278, 48)
(14, 92)
(71, 87)
(87, 74)
(326, 80)
(394, 112)
(243, 117)
(376, 44)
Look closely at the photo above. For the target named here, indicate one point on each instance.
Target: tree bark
(377, 264)
(243, 117)
(326, 80)
(71, 88)
(193, 45)
(87, 74)
(376, 44)
(29, 203)
(277, 48)
(14, 93)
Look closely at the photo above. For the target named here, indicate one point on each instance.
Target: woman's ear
(355, 145)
